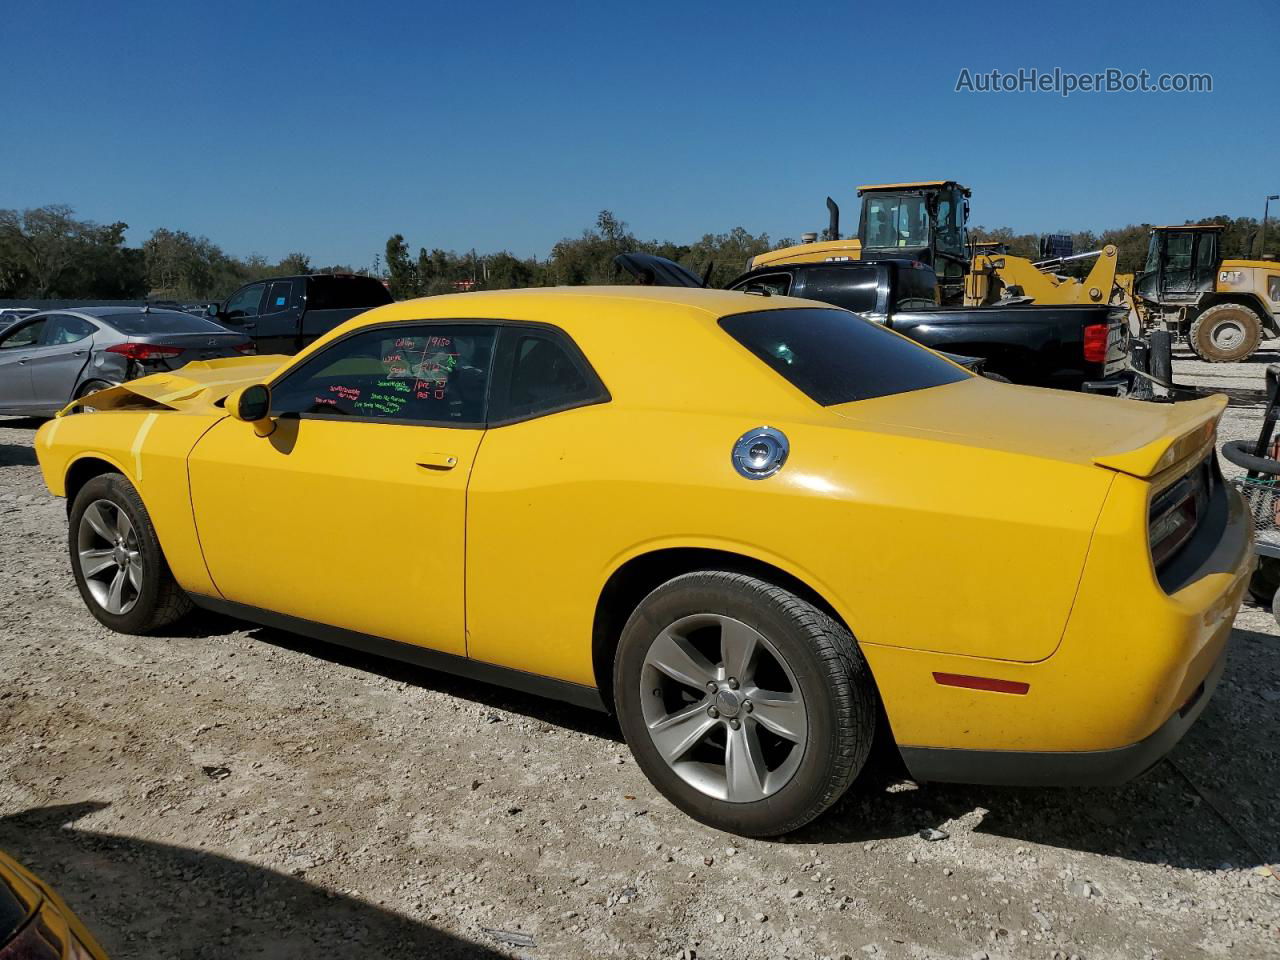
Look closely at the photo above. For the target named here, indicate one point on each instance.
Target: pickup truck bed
(1028, 343)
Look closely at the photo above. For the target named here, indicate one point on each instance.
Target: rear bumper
(1091, 768)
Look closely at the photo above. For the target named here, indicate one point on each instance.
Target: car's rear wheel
(92, 386)
(748, 707)
(117, 561)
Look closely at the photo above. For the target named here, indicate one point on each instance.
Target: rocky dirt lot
(231, 791)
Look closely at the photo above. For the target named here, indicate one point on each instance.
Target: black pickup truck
(284, 314)
(1051, 346)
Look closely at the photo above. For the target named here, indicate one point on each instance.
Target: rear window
(917, 289)
(836, 357)
(161, 321)
(345, 293)
(852, 287)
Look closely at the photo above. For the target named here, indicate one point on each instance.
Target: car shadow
(17, 455)
(203, 623)
(145, 899)
(23, 423)
(1209, 804)
(1201, 808)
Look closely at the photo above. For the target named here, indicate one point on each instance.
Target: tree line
(48, 252)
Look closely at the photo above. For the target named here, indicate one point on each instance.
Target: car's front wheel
(747, 706)
(117, 561)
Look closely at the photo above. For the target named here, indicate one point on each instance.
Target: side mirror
(211, 310)
(252, 404)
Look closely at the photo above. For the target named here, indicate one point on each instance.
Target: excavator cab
(1182, 263)
(922, 221)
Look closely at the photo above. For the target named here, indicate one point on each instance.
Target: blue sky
(325, 127)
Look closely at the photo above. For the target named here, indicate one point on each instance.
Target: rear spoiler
(1185, 430)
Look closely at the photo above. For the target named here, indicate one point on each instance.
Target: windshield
(834, 356)
(1153, 253)
(897, 221)
(160, 321)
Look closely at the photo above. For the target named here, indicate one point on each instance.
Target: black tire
(88, 387)
(839, 699)
(1265, 582)
(1275, 606)
(1206, 336)
(159, 600)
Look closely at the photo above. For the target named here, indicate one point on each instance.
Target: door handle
(249, 324)
(437, 461)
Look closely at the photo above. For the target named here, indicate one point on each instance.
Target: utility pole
(1266, 209)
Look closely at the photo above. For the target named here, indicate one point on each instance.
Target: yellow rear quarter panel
(916, 542)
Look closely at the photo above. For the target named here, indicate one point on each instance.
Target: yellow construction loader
(926, 221)
(1222, 308)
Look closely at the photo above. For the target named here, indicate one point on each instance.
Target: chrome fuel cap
(760, 453)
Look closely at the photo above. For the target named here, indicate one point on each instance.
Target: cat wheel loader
(1222, 308)
(926, 221)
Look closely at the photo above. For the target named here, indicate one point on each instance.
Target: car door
(277, 324)
(56, 364)
(17, 345)
(352, 512)
(241, 311)
(551, 435)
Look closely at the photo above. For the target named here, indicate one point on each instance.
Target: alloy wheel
(723, 708)
(109, 556)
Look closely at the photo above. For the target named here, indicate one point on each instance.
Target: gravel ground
(231, 791)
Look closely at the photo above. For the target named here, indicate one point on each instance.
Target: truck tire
(1227, 333)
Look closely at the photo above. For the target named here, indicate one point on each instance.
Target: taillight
(1175, 513)
(143, 351)
(1095, 342)
(246, 348)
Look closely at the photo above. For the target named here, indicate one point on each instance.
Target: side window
(542, 372)
(27, 336)
(774, 284)
(426, 373)
(854, 288)
(63, 328)
(245, 303)
(917, 290)
(279, 297)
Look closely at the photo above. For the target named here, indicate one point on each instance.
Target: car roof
(114, 311)
(102, 313)
(577, 305)
(613, 325)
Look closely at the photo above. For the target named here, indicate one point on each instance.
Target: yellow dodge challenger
(762, 530)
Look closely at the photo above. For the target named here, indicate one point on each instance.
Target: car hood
(195, 386)
(655, 271)
(1133, 437)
